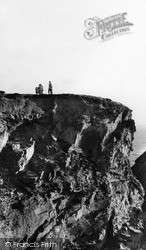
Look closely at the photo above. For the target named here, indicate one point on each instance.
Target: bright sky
(43, 40)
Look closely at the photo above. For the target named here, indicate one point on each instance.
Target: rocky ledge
(65, 175)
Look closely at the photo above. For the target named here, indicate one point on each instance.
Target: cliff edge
(65, 175)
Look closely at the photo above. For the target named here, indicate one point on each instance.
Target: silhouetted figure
(50, 89)
(39, 90)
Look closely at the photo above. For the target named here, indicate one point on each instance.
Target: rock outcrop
(139, 170)
(65, 175)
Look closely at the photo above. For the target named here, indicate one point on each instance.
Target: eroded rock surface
(65, 173)
(139, 170)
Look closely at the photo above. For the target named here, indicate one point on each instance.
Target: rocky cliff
(139, 170)
(65, 176)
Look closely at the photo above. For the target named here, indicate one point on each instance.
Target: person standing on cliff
(41, 89)
(50, 89)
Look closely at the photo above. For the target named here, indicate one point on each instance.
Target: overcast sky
(42, 40)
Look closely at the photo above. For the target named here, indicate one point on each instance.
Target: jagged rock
(139, 170)
(66, 173)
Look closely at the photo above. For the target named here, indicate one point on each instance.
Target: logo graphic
(106, 28)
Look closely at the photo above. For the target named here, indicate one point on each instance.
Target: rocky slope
(65, 176)
(139, 170)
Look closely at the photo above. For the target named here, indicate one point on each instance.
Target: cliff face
(65, 173)
(139, 170)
